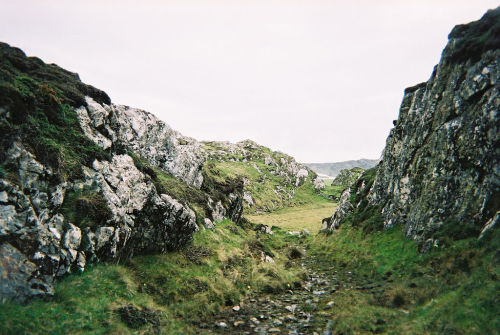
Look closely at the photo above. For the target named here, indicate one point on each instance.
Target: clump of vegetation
(475, 38)
(86, 209)
(451, 230)
(295, 252)
(3, 173)
(136, 318)
(219, 182)
(38, 102)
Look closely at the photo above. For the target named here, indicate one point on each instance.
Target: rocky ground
(305, 309)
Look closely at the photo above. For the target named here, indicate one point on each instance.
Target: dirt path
(301, 310)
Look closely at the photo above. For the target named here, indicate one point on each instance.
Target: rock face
(83, 180)
(40, 236)
(146, 135)
(347, 176)
(440, 166)
(78, 182)
(343, 210)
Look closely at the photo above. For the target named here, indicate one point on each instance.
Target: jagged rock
(318, 183)
(72, 238)
(301, 175)
(266, 258)
(218, 211)
(265, 229)
(146, 135)
(247, 197)
(60, 212)
(20, 280)
(140, 220)
(490, 225)
(344, 208)
(235, 209)
(269, 161)
(441, 164)
(208, 223)
(347, 177)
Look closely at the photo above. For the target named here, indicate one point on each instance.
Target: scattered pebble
(238, 323)
(319, 292)
(221, 324)
(254, 321)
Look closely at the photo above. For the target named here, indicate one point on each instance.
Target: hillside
(333, 169)
(111, 222)
(84, 180)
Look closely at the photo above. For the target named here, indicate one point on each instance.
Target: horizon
(304, 78)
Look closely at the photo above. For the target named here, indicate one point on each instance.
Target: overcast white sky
(320, 80)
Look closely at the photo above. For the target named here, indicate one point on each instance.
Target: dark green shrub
(86, 209)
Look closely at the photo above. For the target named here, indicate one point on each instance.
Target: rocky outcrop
(78, 182)
(347, 177)
(269, 178)
(319, 184)
(344, 208)
(38, 231)
(440, 166)
(146, 135)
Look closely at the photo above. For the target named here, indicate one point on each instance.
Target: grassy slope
(40, 99)
(261, 185)
(185, 287)
(394, 289)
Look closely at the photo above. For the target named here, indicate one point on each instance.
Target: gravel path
(302, 310)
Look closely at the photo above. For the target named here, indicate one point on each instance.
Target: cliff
(439, 176)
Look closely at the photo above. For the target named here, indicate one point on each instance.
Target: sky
(319, 80)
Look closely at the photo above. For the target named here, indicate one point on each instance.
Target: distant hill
(333, 169)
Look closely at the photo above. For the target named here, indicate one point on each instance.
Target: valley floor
(307, 217)
(225, 282)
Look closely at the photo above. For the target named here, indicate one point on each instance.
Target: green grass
(307, 216)
(452, 289)
(186, 287)
(85, 209)
(262, 185)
